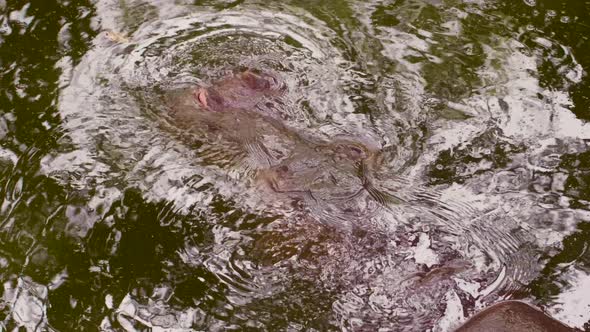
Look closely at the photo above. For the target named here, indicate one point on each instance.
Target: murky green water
(423, 160)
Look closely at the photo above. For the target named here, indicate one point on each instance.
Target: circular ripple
(404, 245)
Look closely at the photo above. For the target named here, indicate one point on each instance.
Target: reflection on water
(217, 165)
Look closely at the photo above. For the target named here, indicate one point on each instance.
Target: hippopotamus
(513, 316)
(235, 116)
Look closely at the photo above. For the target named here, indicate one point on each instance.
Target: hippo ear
(202, 95)
(254, 81)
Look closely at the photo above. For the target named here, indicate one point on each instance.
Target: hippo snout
(239, 91)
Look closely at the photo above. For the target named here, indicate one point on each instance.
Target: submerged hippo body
(333, 177)
(513, 316)
(233, 116)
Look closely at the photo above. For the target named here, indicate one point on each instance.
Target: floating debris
(117, 37)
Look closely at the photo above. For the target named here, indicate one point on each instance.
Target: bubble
(531, 3)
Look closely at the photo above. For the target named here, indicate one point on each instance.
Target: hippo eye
(214, 96)
(355, 149)
(283, 169)
(354, 152)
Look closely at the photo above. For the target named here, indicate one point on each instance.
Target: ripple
(122, 83)
(323, 202)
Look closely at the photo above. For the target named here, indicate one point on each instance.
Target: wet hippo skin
(513, 316)
(234, 107)
(232, 116)
(239, 91)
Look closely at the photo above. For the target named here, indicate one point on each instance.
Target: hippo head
(244, 90)
(326, 170)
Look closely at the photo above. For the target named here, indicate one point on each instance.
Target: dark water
(473, 185)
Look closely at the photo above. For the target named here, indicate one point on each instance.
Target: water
(423, 160)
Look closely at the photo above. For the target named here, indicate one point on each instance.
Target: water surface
(425, 160)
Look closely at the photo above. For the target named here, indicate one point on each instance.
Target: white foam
(572, 305)
(28, 301)
(423, 254)
(453, 315)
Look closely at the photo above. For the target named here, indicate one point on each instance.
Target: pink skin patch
(201, 95)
